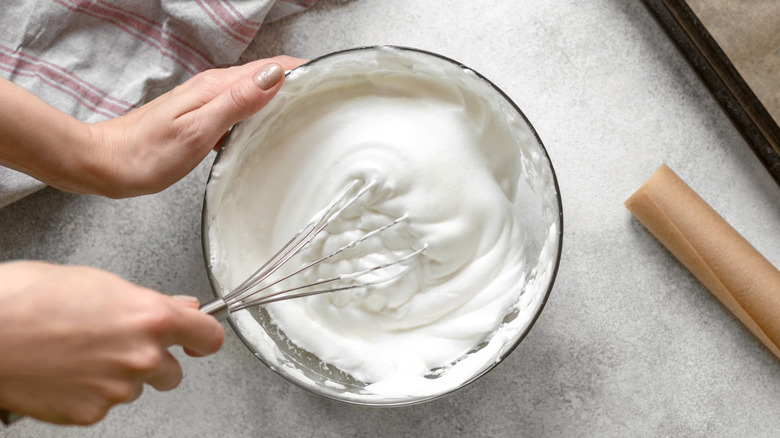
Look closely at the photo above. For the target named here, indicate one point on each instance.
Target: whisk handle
(217, 308)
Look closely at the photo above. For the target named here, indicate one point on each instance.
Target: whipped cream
(431, 142)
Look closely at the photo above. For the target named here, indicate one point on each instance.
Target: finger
(167, 375)
(196, 331)
(193, 353)
(239, 101)
(238, 72)
(206, 85)
(187, 300)
(191, 302)
(288, 62)
(138, 391)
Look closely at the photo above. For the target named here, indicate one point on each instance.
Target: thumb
(244, 97)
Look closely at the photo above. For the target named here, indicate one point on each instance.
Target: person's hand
(154, 146)
(75, 341)
(143, 151)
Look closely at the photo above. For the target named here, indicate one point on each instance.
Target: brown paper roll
(738, 275)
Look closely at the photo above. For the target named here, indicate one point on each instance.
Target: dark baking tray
(728, 87)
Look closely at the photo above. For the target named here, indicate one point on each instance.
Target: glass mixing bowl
(536, 201)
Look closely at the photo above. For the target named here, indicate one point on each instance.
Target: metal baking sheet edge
(728, 87)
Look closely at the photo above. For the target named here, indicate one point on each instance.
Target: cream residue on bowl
(436, 143)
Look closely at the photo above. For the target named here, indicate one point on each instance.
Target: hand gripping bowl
(430, 141)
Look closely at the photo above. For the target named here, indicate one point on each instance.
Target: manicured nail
(268, 76)
(186, 299)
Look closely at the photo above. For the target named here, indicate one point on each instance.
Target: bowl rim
(499, 359)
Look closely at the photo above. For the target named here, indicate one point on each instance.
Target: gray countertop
(629, 343)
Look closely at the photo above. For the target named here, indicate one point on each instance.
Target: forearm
(40, 140)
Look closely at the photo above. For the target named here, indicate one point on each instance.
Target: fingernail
(268, 76)
(186, 299)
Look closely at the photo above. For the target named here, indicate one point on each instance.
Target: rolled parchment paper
(735, 272)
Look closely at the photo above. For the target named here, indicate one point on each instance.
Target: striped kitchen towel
(97, 59)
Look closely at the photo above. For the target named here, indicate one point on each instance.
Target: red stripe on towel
(301, 3)
(125, 105)
(167, 37)
(227, 22)
(140, 30)
(15, 64)
(251, 23)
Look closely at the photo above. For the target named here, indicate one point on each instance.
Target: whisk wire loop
(296, 243)
(246, 295)
(306, 267)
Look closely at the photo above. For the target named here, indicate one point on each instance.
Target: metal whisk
(254, 291)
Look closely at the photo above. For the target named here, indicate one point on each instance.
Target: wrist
(98, 162)
(71, 164)
(42, 141)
